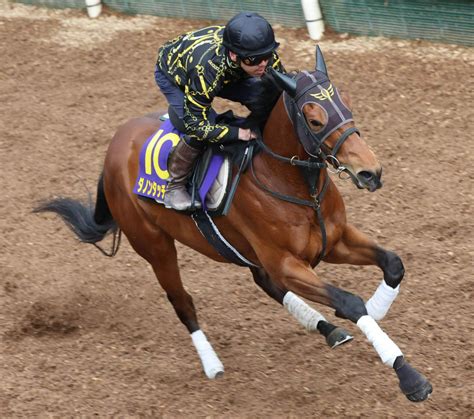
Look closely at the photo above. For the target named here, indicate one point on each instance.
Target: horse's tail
(90, 225)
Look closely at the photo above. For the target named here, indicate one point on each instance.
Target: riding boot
(180, 164)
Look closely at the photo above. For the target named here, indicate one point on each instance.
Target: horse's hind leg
(311, 319)
(356, 248)
(161, 253)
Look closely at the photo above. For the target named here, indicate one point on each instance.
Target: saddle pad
(153, 174)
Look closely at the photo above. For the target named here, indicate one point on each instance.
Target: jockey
(193, 69)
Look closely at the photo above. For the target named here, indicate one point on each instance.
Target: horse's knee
(347, 305)
(392, 267)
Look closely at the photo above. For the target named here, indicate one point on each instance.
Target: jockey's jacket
(200, 66)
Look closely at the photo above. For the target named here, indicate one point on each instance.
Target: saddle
(211, 182)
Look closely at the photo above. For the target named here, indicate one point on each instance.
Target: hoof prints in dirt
(46, 319)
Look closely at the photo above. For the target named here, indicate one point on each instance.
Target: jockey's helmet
(248, 35)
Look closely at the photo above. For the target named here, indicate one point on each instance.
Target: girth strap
(209, 230)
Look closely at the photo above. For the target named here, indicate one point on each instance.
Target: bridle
(319, 90)
(319, 153)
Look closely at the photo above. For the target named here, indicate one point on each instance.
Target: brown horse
(287, 216)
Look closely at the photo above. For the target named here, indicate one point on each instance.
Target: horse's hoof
(413, 384)
(219, 374)
(214, 373)
(338, 337)
(422, 393)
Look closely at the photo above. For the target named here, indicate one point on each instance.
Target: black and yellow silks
(200, 66)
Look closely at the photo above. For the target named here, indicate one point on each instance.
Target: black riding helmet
(249, 34)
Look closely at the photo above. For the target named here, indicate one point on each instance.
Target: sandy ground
(84, 335)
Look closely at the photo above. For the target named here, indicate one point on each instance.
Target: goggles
(256, 59)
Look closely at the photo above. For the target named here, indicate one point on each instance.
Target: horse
(286, 217)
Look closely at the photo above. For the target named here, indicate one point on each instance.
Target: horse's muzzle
(369, 180)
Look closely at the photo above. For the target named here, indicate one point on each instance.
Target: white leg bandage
(210, 362)
(302, 312)
(379, 304)
(384, 346)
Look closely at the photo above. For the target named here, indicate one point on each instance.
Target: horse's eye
(316, 123)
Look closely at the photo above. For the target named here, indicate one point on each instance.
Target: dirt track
(85, 335)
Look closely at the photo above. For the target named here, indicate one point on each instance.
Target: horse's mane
(262, 106)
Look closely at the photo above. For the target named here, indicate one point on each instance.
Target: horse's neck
(280, 135)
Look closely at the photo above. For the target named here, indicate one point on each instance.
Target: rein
(294, 161)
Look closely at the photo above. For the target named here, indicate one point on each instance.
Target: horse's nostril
(366, 175)
(369, 180)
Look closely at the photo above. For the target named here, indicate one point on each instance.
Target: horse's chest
(326, 230)
(326, 235)
(309, 239)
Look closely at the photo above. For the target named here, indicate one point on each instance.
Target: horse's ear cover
(283, 81)
(320, 64)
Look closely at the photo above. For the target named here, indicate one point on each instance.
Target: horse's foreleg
(160, 251)
(310, 318)
(356, 248)
(297, 276)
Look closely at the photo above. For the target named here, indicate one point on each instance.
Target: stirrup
(197, 205)
(169, 203)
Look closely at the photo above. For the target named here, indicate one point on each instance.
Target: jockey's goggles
(256, 59)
